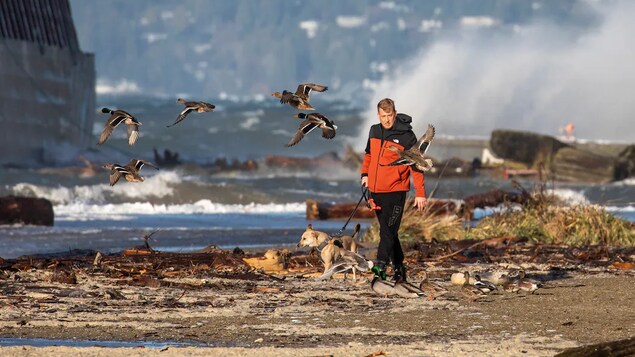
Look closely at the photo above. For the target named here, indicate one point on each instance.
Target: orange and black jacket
(391, 178)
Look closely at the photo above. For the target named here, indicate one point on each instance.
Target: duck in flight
(117, 117)
(130, 171)
(192, 106)
(310, 122)
(415, 155)
(300, 99)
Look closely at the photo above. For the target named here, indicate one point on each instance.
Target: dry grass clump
(544, 219)
(417, 226)
(575, 226)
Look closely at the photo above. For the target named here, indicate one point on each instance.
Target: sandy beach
(225, 308)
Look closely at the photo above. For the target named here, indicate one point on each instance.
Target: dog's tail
(355, 237)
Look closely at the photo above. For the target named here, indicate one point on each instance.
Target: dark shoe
(400, 273)
(379, 272)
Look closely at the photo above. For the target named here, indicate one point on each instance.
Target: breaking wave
(123, 211)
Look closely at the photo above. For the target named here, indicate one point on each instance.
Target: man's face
(387, 119)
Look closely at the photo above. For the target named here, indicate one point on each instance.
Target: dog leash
(369, 201)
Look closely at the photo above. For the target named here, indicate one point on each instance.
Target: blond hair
(387, 105)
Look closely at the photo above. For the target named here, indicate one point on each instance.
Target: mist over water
(535, 78)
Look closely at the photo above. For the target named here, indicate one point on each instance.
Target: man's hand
(365, 181)
(420, 203)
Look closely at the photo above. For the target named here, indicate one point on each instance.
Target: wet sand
(291, 314)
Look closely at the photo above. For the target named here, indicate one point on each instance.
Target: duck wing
(138, 164)
(133, 133)
(287, 97)
(114, 120)
(342, 264)
(182, 115)
(305, 127)
(424, 141)
(306, 88)
(116, 172)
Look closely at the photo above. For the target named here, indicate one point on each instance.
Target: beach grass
(545, 219)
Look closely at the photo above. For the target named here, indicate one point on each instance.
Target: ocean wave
(158, 185)
(123, 211)
(570, 197)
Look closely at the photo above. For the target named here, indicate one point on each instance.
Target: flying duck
(310, 122)
(300, 99)
(130, 171)
(199, 107)
(415, 155)
(117, 117)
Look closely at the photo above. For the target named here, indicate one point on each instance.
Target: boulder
(625, 166)
(26, 210)
(571, 164)
(525, 147)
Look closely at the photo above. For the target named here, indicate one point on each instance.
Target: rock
(26, 210)
(571, 164)
(524, 147)
(625, 166)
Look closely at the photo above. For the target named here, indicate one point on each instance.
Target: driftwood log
(492, 198)
(327, 159)
(26, 210)
(325, 210)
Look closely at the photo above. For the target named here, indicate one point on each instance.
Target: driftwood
(26, 210)
(607, 349)
(324, 160)
(325, 210)
(492, 198)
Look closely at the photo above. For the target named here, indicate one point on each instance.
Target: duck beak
(296, 116)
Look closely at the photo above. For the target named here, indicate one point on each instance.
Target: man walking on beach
(389, 185)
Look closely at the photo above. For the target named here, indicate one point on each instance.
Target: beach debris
(274, 260)
(117, 117)
(326, 210)
(65, 277)
(98, 259)
(192, 106)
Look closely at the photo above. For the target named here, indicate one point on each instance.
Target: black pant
(389, 217)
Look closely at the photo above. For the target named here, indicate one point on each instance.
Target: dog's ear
(315, 234)
(309, 227)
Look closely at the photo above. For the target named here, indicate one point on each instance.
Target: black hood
(402, 122)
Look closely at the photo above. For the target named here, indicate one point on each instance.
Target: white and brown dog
(330, 248)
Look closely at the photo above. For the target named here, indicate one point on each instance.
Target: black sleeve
(367, 150)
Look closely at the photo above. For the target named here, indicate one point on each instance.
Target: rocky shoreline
(216, 300)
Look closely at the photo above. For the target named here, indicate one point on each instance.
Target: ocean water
(194, 205)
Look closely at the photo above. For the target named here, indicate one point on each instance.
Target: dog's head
(309, 238)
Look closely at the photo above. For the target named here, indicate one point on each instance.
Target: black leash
(364, 197)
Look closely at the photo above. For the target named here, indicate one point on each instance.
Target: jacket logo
(396, 140)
